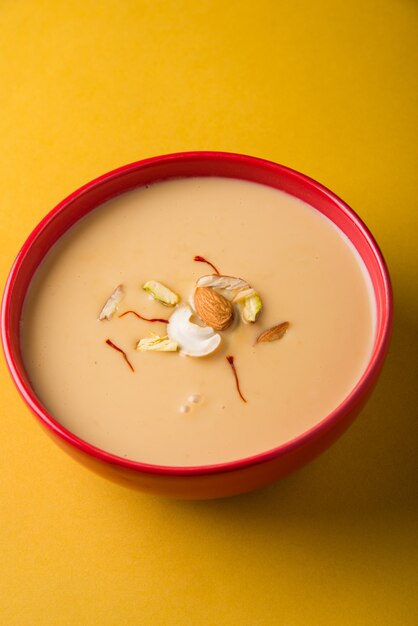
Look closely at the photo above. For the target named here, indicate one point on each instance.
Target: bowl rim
(349, 402)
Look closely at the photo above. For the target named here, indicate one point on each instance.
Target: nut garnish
(161, 293)
(252, 308)
(243, 294)
(111, 304)
(193, 340)
(215, 310)
(229, 283)
(215, 300)
(273, 334)
(157, 344)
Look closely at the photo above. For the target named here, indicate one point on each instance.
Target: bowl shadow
(372, 471)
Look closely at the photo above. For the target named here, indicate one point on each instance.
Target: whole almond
(215, 310)
(273, 334)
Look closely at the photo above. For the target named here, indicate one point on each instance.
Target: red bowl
(224, 479)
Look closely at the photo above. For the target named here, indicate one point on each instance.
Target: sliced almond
(222, 282)
(273, 334)
(111, 304)
(243, 294)
(215, 310)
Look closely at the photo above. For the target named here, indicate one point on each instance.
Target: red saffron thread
(146, 319)
(112, 345)
(230, 360)
(201, 259)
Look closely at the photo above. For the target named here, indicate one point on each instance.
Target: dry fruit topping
(161, 293)
(214, 304)
(111, 304)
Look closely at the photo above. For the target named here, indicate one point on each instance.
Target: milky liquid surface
(304, 270)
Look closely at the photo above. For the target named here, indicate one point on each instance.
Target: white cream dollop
(192, 339)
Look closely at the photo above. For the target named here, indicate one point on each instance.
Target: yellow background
(325, 86)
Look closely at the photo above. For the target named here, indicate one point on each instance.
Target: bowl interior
(81, 202)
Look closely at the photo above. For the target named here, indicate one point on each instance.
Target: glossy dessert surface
(305, 270)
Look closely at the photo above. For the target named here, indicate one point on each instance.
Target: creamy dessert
(197, 321)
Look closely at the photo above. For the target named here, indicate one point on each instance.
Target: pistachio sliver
(157, 344)
(252, 308)
(161, 293)
(111, 304)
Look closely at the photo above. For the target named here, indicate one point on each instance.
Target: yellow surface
(324, 86)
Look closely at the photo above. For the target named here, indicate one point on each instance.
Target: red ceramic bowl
(226, 478)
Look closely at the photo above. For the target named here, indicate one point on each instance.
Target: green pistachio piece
(157, 344)
(161, 293)
(252, 308)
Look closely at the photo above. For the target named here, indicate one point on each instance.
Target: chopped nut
(231, 283)
(252, 308)
(243, 294)
(193, 340)
(157, 344)
(273, 334)
(161, 293)
(111, 304)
